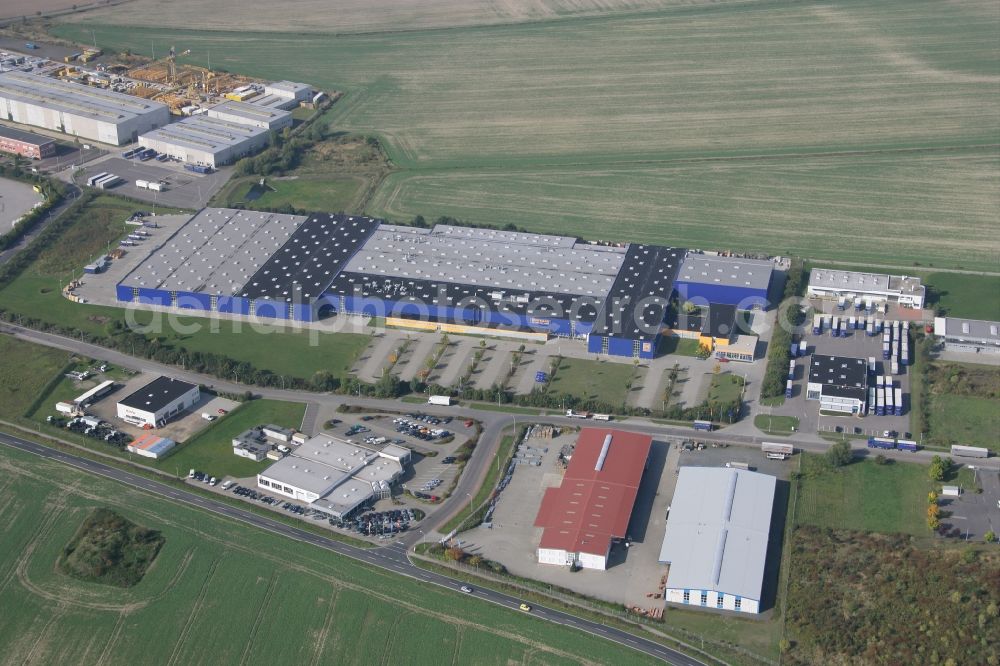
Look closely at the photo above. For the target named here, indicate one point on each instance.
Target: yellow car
(526, 608)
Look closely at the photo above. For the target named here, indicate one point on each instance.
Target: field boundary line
(247, 649)
(324, 634)
(195, 609)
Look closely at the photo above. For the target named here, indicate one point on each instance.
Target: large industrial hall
(305, 268)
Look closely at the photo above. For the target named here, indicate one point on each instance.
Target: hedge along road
(389, 558)
(493, 422)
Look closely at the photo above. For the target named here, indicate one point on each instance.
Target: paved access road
(392, 558)
(72, 192)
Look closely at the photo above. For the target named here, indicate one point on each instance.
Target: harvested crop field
(848, 130)
(222, 592)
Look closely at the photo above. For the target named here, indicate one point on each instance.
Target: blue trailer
(793, 349)
(788, 388)
(791, 370)
(702, 425)
(817, 324)
(906, 445)
(881, 443)
(198, 168)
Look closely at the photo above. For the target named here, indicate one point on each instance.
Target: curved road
(392, 558)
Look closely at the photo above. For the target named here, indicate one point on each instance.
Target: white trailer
(775, 447)
(444, 400)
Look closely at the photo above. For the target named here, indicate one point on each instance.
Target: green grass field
(725, 387)
(672, 344)
(965, 296)
(777, 126)
(864, 496)
(965, 419)
(313, 194)
(592, 380)
(211, 450)
(776, 425)
(221, 592)
(24, 373)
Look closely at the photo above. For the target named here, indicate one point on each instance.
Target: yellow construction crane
(171, 64)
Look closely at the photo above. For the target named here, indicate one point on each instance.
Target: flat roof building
(970, 336)
(708, 278)
(206, 141)
(873, 287)
(716, 538)
(300, 92)
(254, 115)
(26, 144)
(149, 445)
(592, 508)
(332, 475)
(158, 401)
(77, 110)
(840, 383)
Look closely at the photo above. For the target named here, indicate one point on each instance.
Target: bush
(839, 454)
(778, 355)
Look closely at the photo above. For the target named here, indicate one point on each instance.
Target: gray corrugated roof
(75, 98)
(718, 530)
(972, 329)
(201, 132)
(215, 252)
(727, 271)
(489, 258)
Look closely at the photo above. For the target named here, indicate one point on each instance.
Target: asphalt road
(392, 558)
(72, 192)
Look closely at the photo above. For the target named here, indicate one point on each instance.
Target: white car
(466, 589)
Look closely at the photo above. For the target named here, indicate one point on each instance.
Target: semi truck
(702, 425)
(788, 388)
(198, 168)
(577, 415)
(803, 348)
(906, 445)
(842, 303)
(969, 451)
(817, 324)
(881, 443)
(791, 369)
(775, 447)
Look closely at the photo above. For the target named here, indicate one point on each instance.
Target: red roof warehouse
(594, 503)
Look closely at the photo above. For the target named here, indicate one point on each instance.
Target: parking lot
(16, 199)
(972, 514)
(180, 429)
(857, 344)
(182, 188)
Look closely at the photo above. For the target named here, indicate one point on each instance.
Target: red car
(222, 411)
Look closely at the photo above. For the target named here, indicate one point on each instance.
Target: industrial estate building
(584, 516)
(456, 279)
(254, 115)
(840, 383)
(152, 446)
(206, 141)
(707, 278)
(334, 476)
(158, 401)
(871, 288)
(716, 538)
(26, 144)
(77, 110)
(290, 90)
(971, 336)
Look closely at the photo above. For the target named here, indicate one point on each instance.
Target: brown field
(357, 15)
(12, 8)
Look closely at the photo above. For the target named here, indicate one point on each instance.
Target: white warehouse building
(77, 110)
(207, 141)
(870, 287)
(334, 476)
(969, 336)
(253, 115)
(716, 538)
(158, 401)
(300, 92)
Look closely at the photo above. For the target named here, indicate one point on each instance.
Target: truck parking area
(181, 188)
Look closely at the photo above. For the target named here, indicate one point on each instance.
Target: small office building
(840, 383)
(158, 401)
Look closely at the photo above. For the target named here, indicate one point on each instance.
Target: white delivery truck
(444, 400)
